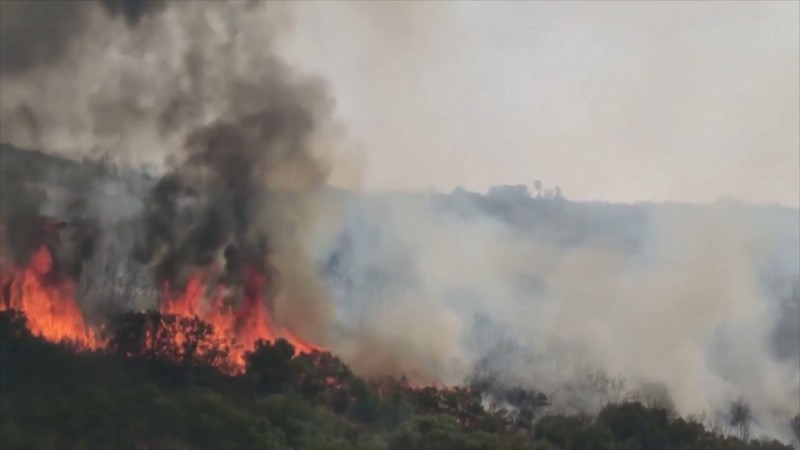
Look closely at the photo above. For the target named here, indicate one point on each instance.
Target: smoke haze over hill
(182, 140)
(658, 101)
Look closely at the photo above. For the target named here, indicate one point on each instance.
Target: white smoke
(679, 304)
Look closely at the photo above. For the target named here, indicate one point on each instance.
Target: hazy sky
(624, 101)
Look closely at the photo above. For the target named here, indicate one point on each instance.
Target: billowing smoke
(37, 33)
(587, 303)
(195, 92)
(42, 33)
(580, 301)
(34, 212)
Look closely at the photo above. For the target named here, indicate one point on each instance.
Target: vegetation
(146, 391)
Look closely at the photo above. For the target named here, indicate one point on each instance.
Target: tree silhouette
(270, 363)
(538, 186)
(153, 336)
(740, 416)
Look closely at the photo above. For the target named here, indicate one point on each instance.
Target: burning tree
(204, 322)
(187, 341)
(221, 229)
(47, 300)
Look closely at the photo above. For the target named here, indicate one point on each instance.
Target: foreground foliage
(148, 394)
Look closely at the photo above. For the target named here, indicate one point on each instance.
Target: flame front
(52, 312)
(49, 304)
(242, 326)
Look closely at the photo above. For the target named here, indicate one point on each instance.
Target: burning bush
(191, 326)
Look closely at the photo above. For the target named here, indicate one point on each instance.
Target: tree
(538, 186)
(13, 325)
(270, 363)
(165, 338)
(633, 420)
(101, 400)
(739, 417)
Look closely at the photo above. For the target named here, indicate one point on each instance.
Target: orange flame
(52, 312)
(242, 326)
(48, 305)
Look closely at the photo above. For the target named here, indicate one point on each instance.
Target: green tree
(270, 364)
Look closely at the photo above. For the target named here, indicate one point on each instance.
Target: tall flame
(49, 304)
(242, 326)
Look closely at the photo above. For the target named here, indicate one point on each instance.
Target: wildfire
(49, 304)
(241, 326)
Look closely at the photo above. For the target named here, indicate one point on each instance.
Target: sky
(617, 101)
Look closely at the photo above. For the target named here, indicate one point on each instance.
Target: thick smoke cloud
(567, 298)
(196, 91)
(43, 204)
(40, 33)
(38, 36)
(37, 33)
(132, 11)
(586, 303)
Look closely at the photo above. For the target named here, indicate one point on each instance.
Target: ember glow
(52, 312)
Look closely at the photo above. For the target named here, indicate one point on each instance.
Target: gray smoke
(570, 298)
(42, 32)
(37, 33)
(587, 303)
(194, 90)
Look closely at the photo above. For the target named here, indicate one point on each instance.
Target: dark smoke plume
(241, 135)
(40, 32)
(133, 10)
(213, 199)
(34, 33)
(30, 217)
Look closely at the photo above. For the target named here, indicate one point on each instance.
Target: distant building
(504, 190)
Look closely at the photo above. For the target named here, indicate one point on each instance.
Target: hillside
(461, 254)
(54, 398)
